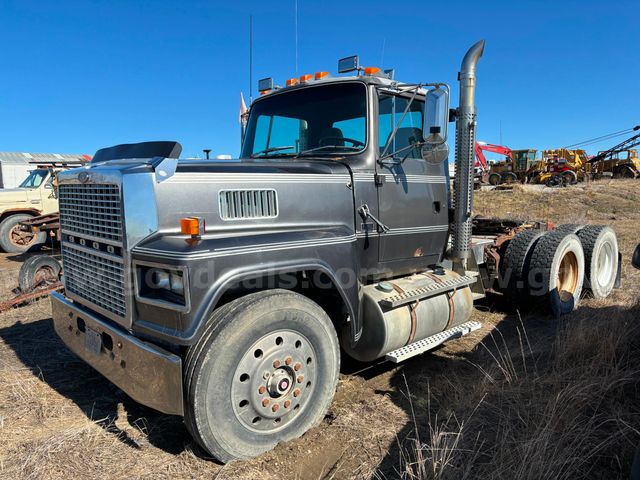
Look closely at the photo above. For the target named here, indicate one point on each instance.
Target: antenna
(384, 41)
(250, 59)
(295, 23)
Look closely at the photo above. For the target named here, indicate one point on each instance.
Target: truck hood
(157, 193)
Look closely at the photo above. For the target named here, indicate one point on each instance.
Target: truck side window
(409, 132)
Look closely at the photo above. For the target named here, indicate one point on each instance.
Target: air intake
(248, 204)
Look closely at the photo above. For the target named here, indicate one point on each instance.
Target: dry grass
(524, 397)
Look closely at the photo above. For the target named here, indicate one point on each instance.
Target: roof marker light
(291, 82)
(305, 78)
(371, 70)
(320, 75)
(265, 84)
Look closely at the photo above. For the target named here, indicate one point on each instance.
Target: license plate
(93, 341)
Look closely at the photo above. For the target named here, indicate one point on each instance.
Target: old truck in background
(35, 195)
(223, 292)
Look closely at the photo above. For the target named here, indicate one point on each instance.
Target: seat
(331, 136)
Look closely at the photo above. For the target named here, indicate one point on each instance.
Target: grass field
(525, 397)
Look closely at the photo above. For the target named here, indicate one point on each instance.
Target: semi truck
(227, 292)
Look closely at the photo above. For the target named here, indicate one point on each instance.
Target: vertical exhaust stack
(465, 143)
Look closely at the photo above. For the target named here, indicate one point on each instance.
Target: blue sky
(79, 75)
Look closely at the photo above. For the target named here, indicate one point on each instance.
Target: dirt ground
(526, 396)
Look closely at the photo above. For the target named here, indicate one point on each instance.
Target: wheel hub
(280, 383)
(273, 381)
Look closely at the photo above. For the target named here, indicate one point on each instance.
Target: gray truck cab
(226, 292)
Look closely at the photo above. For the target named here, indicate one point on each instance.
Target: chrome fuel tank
(386, 329)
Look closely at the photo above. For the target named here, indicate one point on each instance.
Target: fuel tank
(387, 329)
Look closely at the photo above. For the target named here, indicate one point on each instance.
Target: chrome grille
(248, 204)
(92, 210)
(98, 279)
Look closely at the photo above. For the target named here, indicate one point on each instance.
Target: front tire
(265, 371)
(14, 240)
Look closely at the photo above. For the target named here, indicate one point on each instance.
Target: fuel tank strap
(412, 311)
(411, 296)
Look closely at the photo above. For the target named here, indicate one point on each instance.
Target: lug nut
(262, 389)
(297, 367)
(265, 402)
(287, 403)
(300, 378)
(296, 392)
(275, 407)
(276, 364)
(288, 361)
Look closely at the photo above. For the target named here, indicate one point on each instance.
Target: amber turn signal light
(193, 226)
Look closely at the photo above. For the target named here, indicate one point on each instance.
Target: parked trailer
(222, 292)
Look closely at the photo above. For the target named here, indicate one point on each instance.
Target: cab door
(412, 193)
(49, 194)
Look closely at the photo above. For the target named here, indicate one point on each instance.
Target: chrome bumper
(148, 374)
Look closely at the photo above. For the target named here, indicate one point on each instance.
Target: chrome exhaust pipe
(465, 153)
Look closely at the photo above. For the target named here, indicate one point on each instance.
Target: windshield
(35, 178)
(325, 120)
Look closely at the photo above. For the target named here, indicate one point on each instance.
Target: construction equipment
(621, 160)
(226, 292)
(498, 172)
(560, 167)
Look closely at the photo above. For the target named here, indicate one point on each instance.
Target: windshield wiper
(324, 147)
(270, 150)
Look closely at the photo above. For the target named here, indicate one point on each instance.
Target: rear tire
(509, 178)
(38, 272)
(569, 228)
(600, 246)
(516, 262)
(569, 178)
(263, 372)
(14, 241)
(556, 273)
(495, 179)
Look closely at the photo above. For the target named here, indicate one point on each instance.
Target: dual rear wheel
(551, 269)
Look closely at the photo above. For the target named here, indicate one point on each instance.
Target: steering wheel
(354, 142)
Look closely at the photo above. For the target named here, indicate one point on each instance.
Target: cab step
(411, 296)
(421, 346)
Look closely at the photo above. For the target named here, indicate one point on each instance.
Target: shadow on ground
(464, 425)
(39, 348)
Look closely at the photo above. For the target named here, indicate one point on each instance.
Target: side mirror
(436, 122)
(636, 257)
(436, 116)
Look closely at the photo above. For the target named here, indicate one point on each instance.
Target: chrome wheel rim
(273, 381)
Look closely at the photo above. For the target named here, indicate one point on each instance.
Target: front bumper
(147, 373)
